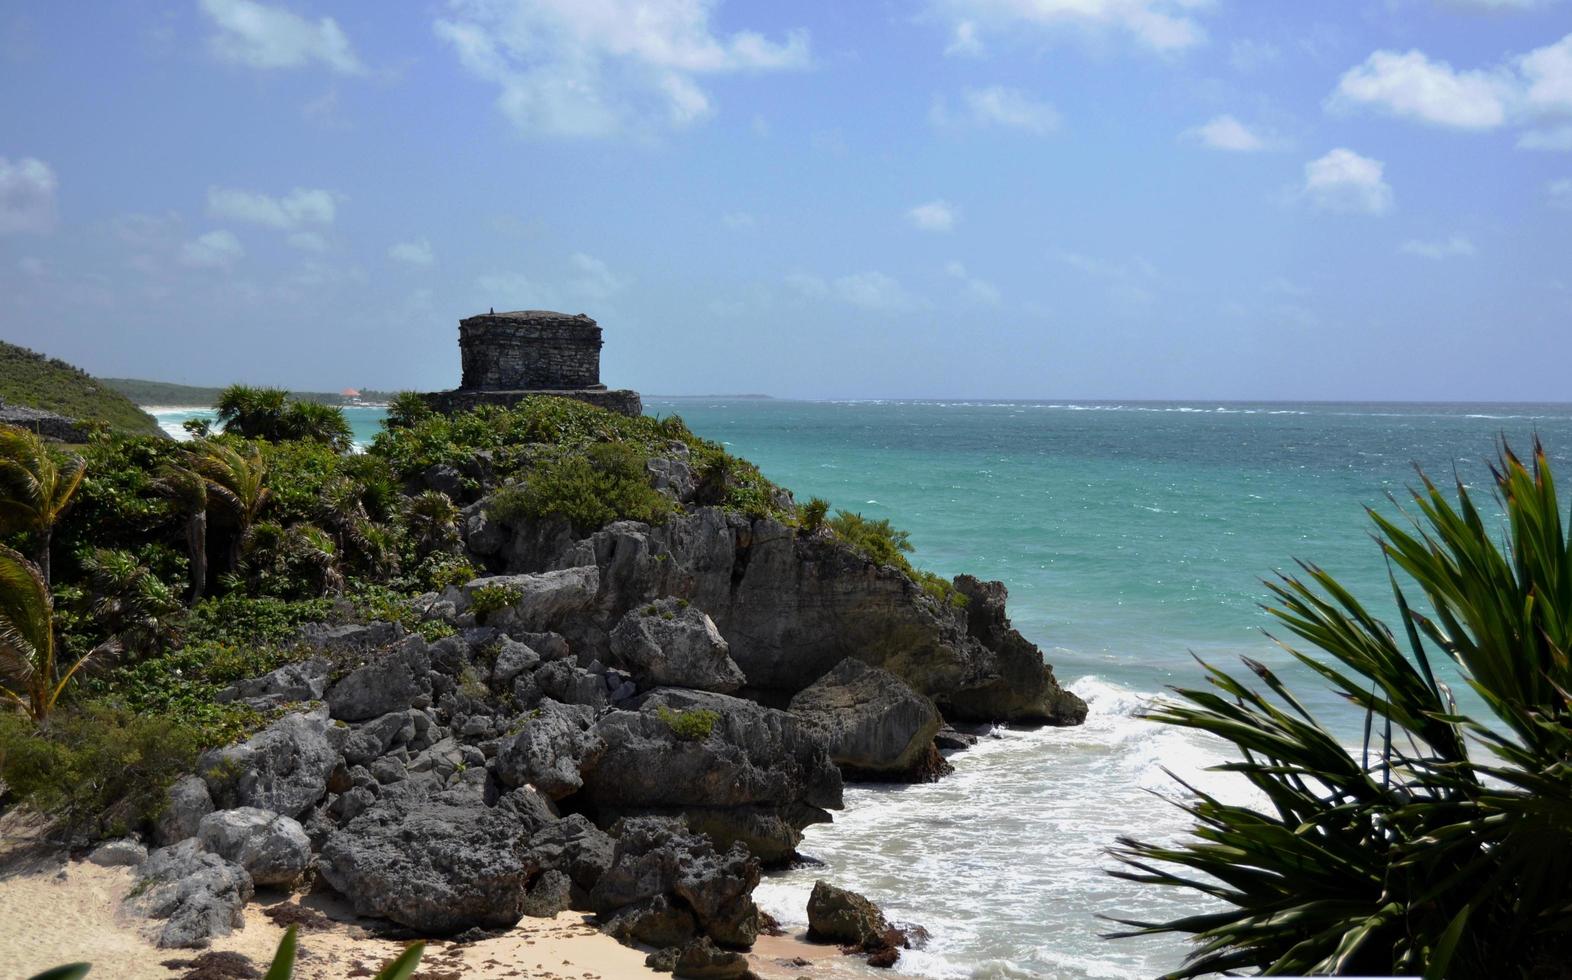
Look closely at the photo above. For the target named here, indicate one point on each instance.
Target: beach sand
(54, 911)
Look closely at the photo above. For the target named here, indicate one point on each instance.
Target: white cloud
(516, 291)
(592, 278)
(975, 289)
(1162, 25)
(1560, 192)
(27, 196)
(31, 267)
(586, 68)
(214, 250)
(1493, 6)
(870, 290)
(738, 220)
(261, 36)
(299, 208)
(1412, 85)
(1531, 90)
(1547, 73)
(416, 253)
(1345, 181)
(997, 105)
(1132, 286)
(586, 281)
(934, 216)
(1248, 55)
(1453, 246)
(1227, 133)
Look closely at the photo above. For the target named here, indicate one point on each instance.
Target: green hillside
(31, 379)
(168, 393)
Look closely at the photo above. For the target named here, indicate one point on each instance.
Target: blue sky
(1201, 199)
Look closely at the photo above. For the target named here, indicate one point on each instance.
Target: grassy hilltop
(168, 393)
(31, 379)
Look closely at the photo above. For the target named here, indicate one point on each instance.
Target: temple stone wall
(529, 350)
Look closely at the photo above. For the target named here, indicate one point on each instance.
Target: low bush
(691, 724)
(493, 598)
(591, 488)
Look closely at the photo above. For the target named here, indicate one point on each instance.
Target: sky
(1055, 199)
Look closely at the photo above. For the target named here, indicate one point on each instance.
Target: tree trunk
(196, 540)
(44, 534)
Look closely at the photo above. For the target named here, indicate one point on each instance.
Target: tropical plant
(138, 611)
(298, 561)
(252, 413)
(1444, 847)
(29, 676)
(432, 519)
(187, 490)
(35, 488)
(238, 482)
(406, 409)
(317, 422)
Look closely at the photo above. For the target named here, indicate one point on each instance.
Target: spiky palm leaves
(320, 423)
(140, 612)
(1445, 847)
(35, 488)
(187, 490)
(267, 413)
(29, 677)
(433, 522)
(237, 482)
(300, 560)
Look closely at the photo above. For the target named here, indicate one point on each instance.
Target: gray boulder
(551, 892)
(482, 534)
(198, 895)
(555, 744)
(273, 849)
(658, 858)
(836, 915)
(565, 681)
(186, 803)
(283, 768)
(365, 743)
(513, 659)
(757, 776)
(576, 847)
(394, 680)
(671, 643)
(544, 599)
(439, 865)
(305, 681)
(878, 727)
(123, 853)
(350, 637)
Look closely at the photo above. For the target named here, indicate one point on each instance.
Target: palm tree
(254, 413)
(35, 489)
(237, 481)
(433, 522)
(1445, 846)
(140, 613)
(188, 490)
(28, 675)
(318, 422)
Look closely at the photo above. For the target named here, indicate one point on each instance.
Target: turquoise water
(1129, 534)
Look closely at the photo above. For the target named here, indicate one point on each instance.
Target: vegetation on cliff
(1444, 847)
(31, 379)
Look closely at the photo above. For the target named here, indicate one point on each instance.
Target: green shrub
(249, 620)
(811, 515)
(942, 589)
(589, 488)
(441, 571)
(100, 765)
(691, 724)
(407, 409)
(876, 541)
(493, 598)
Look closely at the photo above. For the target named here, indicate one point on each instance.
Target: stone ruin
(508, 356)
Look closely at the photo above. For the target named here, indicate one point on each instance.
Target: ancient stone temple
(507, 356)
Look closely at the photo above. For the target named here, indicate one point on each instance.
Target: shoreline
(58, 911)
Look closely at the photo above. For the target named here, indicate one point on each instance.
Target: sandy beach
(54, 911)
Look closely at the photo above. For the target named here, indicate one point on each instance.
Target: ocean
(1132, 536)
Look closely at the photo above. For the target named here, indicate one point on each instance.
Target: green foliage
(270, 414)
(1445, 847)
(99, 764)
(36, 488)
(493, 598)
(876, 541)
(941, 588)
(127, 601)
(811, 515)
(408, 409)
(590, 488)
(29, 378)
(243, 620)
(691, 724)
(441, 571)
(33, 678)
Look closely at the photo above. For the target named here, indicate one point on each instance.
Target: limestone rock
(576, 847)
(555, 745)
(198, 895)
(671, 643)
(544, 599)
(759, 776)
(878, 727)
(273, 849)
(439, 865)
(513, 659)
(125, 852)
(549, 893)
(186, 803)
(836, 915)
(305, 681)
(702, 960)
(393, 680)
(657, 858)
(283, 768)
